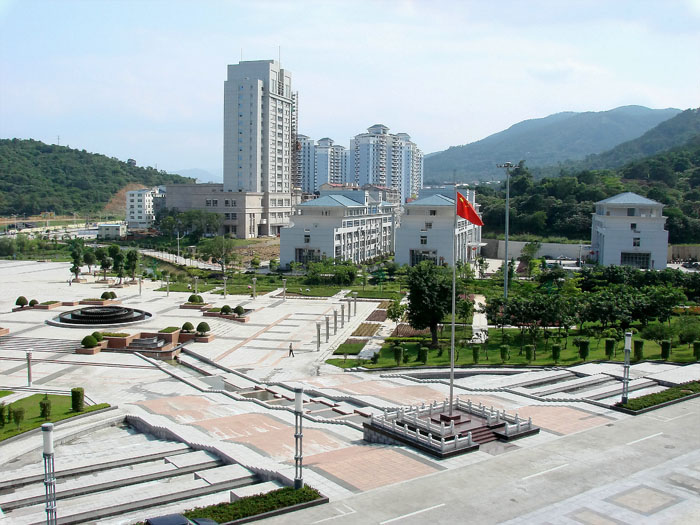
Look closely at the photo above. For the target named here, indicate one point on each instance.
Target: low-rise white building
(427, 231)
(342, 224)
(628, 230)
(111, 231)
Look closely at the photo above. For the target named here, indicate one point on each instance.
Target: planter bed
(49, 305)
(233, 317)
(70, 303)
(186, 337)
(4, 331)
(119, 342)
(168, 337)
(671, 396)
(99, 302)
(195, 306)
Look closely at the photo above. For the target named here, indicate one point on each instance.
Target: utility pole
(507, 166)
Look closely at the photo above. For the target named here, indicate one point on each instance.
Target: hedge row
(669, 394)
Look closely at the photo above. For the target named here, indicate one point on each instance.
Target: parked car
(179, 519)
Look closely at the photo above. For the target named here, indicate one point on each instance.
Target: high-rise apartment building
(306, 163)
(380, 158)
(260, 138)
(320, 163)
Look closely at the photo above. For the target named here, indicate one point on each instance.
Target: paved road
(643, 469)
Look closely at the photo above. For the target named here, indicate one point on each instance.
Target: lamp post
(318, 336)
(255, 292)
(626, 368)
(298, 435)
(196, 288)
(327, 327)
(49, 474)
(167, 284)
(284, 289)
(506, 271)
(354, 298)
(140, 282)
(335, 321)
(29, 367)
(225, 279)
(342, 314)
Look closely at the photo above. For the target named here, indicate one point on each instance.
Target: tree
(465, 309)
(219, 249)
(396, 311)
(119, 265)
(77, 257)
(429, 297)
(105, 264)
(132, 259)
(528, 254)
(90, 259)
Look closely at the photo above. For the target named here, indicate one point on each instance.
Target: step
(199, 457)
(92, 508)
(252, 490)
(224, 473)
(35, 473)
(573, 384)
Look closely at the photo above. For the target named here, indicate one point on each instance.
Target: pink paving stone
(369, 467)
(182, 408)
(403, 395)
(564, 420)
(240, 426)
(279, 444)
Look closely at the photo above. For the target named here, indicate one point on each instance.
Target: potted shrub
(187, 327)
(21, 301)
(106, 296)
(226, 310)
(203, 328)
(90, 346)
(239, 310)
(33, 303)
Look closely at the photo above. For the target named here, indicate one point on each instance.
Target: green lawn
(349, 348)
(60, 409)
(4, 393)
(490, 353)
(182, 287)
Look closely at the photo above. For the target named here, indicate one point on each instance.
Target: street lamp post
(506, 270)
(318, 336)
(196, 278)
(335, 321)
(284, 289)
(626, 368)
(167, 284)
(328, 319)
(354, 297)
(342, 314)
(225, 279)
(29, 367)
(140, 282)
(255, 291)
(49, 474)
(298, 436)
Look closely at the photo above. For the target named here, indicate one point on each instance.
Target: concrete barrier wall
(684, 252)
(496, 249)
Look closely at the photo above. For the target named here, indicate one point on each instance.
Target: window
(423, 239)
(432, 212)
(636, 241)
(215, 203)
(428, 225)
(307, 239)
(630, 212)
(633, 226)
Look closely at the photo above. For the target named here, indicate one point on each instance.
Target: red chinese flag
(467, 211)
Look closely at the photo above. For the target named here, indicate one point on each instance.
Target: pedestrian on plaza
(70, 282)
(291, 351)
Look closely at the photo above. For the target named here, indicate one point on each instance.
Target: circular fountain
(100, 316)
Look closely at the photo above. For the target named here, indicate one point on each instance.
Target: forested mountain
(671, 133)
(37, 177)
(543, 142)
(562, 205)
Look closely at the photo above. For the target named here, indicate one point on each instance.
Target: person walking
(291, 351)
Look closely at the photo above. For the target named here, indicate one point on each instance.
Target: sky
(144, 79)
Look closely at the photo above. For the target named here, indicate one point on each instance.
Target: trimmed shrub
(33, 302)
(77, 399)
(18, 416)
(556, 353)
(529, 351)
(665, 349)
(187, 327)
(696, 350)
(105, 296)
(638, 349)
(203, 328)
(45, 407)
(610, 348)
(2, 415)
(98, 336)
(504, 353)
(406, 358)
(475, 354)
(375, 358)
(398, 354)
(239, 310)
(21, 301)
(226, 309)
(112, 295)
(88, 341)
(583, 347)
(423, 354)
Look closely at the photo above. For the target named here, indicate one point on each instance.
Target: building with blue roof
(628, 230)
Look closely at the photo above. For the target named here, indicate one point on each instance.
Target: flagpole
(454, 288)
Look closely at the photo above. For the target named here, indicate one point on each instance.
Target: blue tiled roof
(628, 198)
(433, 200)
(332, 200)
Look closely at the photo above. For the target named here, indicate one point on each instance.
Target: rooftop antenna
(279, 55)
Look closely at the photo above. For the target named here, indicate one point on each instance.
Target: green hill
(671, 133)
(544, 142)
(37, 177)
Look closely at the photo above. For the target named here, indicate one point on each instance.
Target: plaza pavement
(377, 482)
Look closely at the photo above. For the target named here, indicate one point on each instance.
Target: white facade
(140, 213)
(345, 225)
(320, 163)
(111, 232)
(628, 230)
(260, 136)
(427, 232)
(306, 163)
(380, 158)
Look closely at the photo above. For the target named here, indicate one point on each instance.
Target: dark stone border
(655, 407)
(277, 512)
